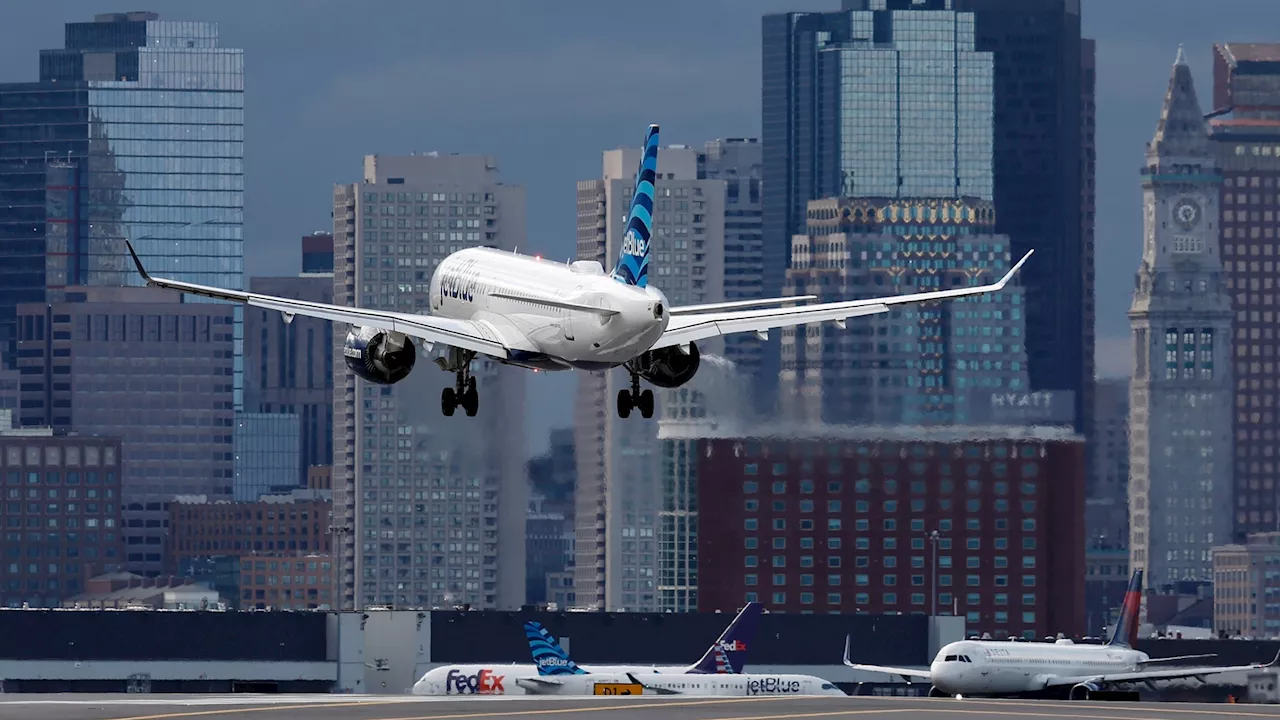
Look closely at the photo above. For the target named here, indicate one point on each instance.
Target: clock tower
(1180, 409)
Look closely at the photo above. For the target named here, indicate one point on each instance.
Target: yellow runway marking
(229, 710)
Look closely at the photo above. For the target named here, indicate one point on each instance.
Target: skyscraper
(1181, 397)
(1245, 126)
(816, 71)
(619, 495)
(134, 131)
(430, 509)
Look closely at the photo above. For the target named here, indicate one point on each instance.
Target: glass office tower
(135, 131)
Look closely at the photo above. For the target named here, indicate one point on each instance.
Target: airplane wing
(481, 337)
(690, 326)
(905, 673)
(1155, 675)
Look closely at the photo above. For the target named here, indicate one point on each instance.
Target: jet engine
(379, 356)
(667, 367)
(1083, 691)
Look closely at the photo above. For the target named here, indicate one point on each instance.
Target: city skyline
(550, 143)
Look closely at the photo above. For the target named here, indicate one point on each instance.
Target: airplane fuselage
(975, 667)
(502, 289)
(493, 679)
(719, 685)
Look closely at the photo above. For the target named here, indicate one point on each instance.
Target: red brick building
(285, 525)
(840, 520)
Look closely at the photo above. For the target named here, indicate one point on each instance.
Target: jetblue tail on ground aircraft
(550, 658)
(633, 257)
(732, 643)
(1125, 634)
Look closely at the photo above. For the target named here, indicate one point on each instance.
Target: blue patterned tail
(550, 658)
(633, 258)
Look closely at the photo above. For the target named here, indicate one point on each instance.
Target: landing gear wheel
(624, 403)
(934, 692)
(471, 399)
(448, 401)
(645, 404)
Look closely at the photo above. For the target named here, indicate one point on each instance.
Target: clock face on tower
(1186, 213)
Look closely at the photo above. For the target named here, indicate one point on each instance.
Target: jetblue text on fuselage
(772, 685)
(460, 283)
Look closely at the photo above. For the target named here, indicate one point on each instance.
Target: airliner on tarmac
(569, 679)
(1078, 672)
(728, 654)
(542, 315)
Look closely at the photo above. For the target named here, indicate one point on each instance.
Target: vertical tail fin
(633, 257)
(1125, 634)
(550, 658)
(732, 644)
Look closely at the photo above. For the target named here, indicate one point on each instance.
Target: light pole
(336, 548)
(933, 536)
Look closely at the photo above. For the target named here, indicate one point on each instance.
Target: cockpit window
(965, 658)
(949, 658)
(828, 686)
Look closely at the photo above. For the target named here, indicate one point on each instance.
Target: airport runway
(331, 707)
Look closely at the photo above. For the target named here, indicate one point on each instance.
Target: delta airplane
(569, 679)
(526, 312)
(728, 654)
(1078, 672)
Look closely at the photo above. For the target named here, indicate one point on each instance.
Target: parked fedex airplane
(728, 654)
(1078, 672)
(569, 679)
(524, 311)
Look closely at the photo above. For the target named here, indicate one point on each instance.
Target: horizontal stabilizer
(738, 304)
(563, 305)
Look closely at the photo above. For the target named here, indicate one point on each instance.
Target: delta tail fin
(633, 256)
(728, 654)
(550, 658)
(1125, 634)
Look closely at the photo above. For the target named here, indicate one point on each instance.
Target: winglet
(1013, 271)
(1275, 662)
(141, 270)
(848, 641)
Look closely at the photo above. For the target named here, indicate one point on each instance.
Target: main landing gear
(634, 398)
(464, 392)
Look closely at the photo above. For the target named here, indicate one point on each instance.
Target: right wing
(1148, 676)
(906, 673)
(481, 337)
(685, 328)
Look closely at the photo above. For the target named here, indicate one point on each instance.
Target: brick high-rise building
(842, 519)
(142, 365)
(1245, 129)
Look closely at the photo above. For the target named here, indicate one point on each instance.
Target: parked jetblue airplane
(728, 654)
(524, 311)
(1078, 672)
(570, 679)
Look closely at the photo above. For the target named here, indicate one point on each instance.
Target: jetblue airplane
(523, 311)
(1063, 669)
(569, 679)
(728, 654)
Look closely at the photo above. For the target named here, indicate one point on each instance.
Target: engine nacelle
(379, 356)
(1083, 691)
(667, 367)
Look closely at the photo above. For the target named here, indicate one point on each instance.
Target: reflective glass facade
(268, 450)
(135, 131)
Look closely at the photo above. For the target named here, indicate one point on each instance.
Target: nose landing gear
(635, 398)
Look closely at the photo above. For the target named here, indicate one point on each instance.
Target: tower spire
(1181, 130)
(1182, 57)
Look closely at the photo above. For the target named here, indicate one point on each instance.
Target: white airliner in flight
(1078, 672)
(728, 654)
(523, 311)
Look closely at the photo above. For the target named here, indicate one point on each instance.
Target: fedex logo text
(484, 682)
(732, 646)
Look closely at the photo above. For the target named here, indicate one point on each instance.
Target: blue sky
(547, 86)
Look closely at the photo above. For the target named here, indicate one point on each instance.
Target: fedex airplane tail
(1125, 634)
(633, 257)
(732, 644)
(550, 658)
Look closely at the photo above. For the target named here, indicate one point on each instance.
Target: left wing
(686, 328)
(1154, 675)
